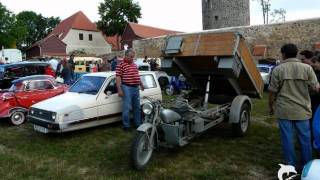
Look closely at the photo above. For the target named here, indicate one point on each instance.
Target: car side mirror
(108, 93)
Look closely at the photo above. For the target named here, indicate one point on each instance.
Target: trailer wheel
(241, 127)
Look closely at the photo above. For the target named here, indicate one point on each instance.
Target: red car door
(25, 98)
(51, 90)
(34, 92)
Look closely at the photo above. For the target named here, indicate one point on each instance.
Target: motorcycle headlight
(147, 108)
(53, 116)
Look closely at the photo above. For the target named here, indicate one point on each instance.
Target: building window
(80, 36)
(216, 18)
(90, 37)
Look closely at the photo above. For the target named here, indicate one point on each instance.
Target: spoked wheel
(17, 118)
(242, 126)
(141, 150)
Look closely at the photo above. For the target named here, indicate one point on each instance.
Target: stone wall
(304, 33)
(225, 13)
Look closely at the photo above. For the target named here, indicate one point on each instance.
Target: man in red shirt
(128, 82)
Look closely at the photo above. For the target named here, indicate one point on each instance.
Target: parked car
(24, 92)
(91, 101)
(10, 56)
(265, 71)
(162, 76)
(11, 72)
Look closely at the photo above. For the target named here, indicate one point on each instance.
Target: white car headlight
(53, 116)
(147, 108)
(31, 111)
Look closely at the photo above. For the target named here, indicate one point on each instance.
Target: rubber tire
(134, 152)
(237, 129)
(19, 113)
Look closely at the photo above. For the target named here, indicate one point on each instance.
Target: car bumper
(48, 126)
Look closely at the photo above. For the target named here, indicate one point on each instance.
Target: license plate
(40, 129)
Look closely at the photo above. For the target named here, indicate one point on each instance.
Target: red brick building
(49, 46)
(134, 31)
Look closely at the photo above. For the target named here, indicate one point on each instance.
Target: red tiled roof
(77, 21)
(259, 50)
(45, 39)
(144, 31)
(113, 41)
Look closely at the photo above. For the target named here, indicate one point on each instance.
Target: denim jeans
(130, 100)
(287, 132)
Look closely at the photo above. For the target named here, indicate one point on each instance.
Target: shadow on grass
(4, 122)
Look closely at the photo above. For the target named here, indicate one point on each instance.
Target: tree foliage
(11, 30)
(23, 29)
(277, 14)
(115, 14)
(38, 27)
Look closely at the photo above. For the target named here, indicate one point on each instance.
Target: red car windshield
(16, 87)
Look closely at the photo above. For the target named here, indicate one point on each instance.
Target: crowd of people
(65, 70)
(293, 86)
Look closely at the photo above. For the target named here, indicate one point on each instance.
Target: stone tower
(225, 13)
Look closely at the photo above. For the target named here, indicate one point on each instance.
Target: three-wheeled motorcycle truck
(223, 76)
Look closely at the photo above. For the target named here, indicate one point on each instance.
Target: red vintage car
(24, 92)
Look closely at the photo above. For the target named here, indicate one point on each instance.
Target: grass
(103, 153)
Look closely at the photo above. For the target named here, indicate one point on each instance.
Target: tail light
(7, 96)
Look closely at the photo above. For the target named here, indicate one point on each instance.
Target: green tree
(11, 30)
(115, 14)
(38, 27)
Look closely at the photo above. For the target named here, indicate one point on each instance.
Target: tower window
(216, 18)
(80, 36)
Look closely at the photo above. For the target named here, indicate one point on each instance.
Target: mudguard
(316, 129)
(144, 127)
(236, 107)
(17, 109)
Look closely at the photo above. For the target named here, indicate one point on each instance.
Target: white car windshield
(88, 85)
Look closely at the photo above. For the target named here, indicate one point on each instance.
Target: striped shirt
(128, 72)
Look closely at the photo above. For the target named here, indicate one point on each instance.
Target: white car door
(151, 87)
(109, 103)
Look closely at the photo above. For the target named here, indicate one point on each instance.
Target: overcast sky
(180, 15)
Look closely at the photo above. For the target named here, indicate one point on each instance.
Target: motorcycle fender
(144, 127)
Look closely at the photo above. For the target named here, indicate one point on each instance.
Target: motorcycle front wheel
(141, 151)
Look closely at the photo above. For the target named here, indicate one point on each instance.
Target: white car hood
(67, 102)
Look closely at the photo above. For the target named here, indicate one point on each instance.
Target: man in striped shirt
(128, 82)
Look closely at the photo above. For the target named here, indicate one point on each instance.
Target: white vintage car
(91, 101)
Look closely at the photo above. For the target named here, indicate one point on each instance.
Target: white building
(80, 34)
